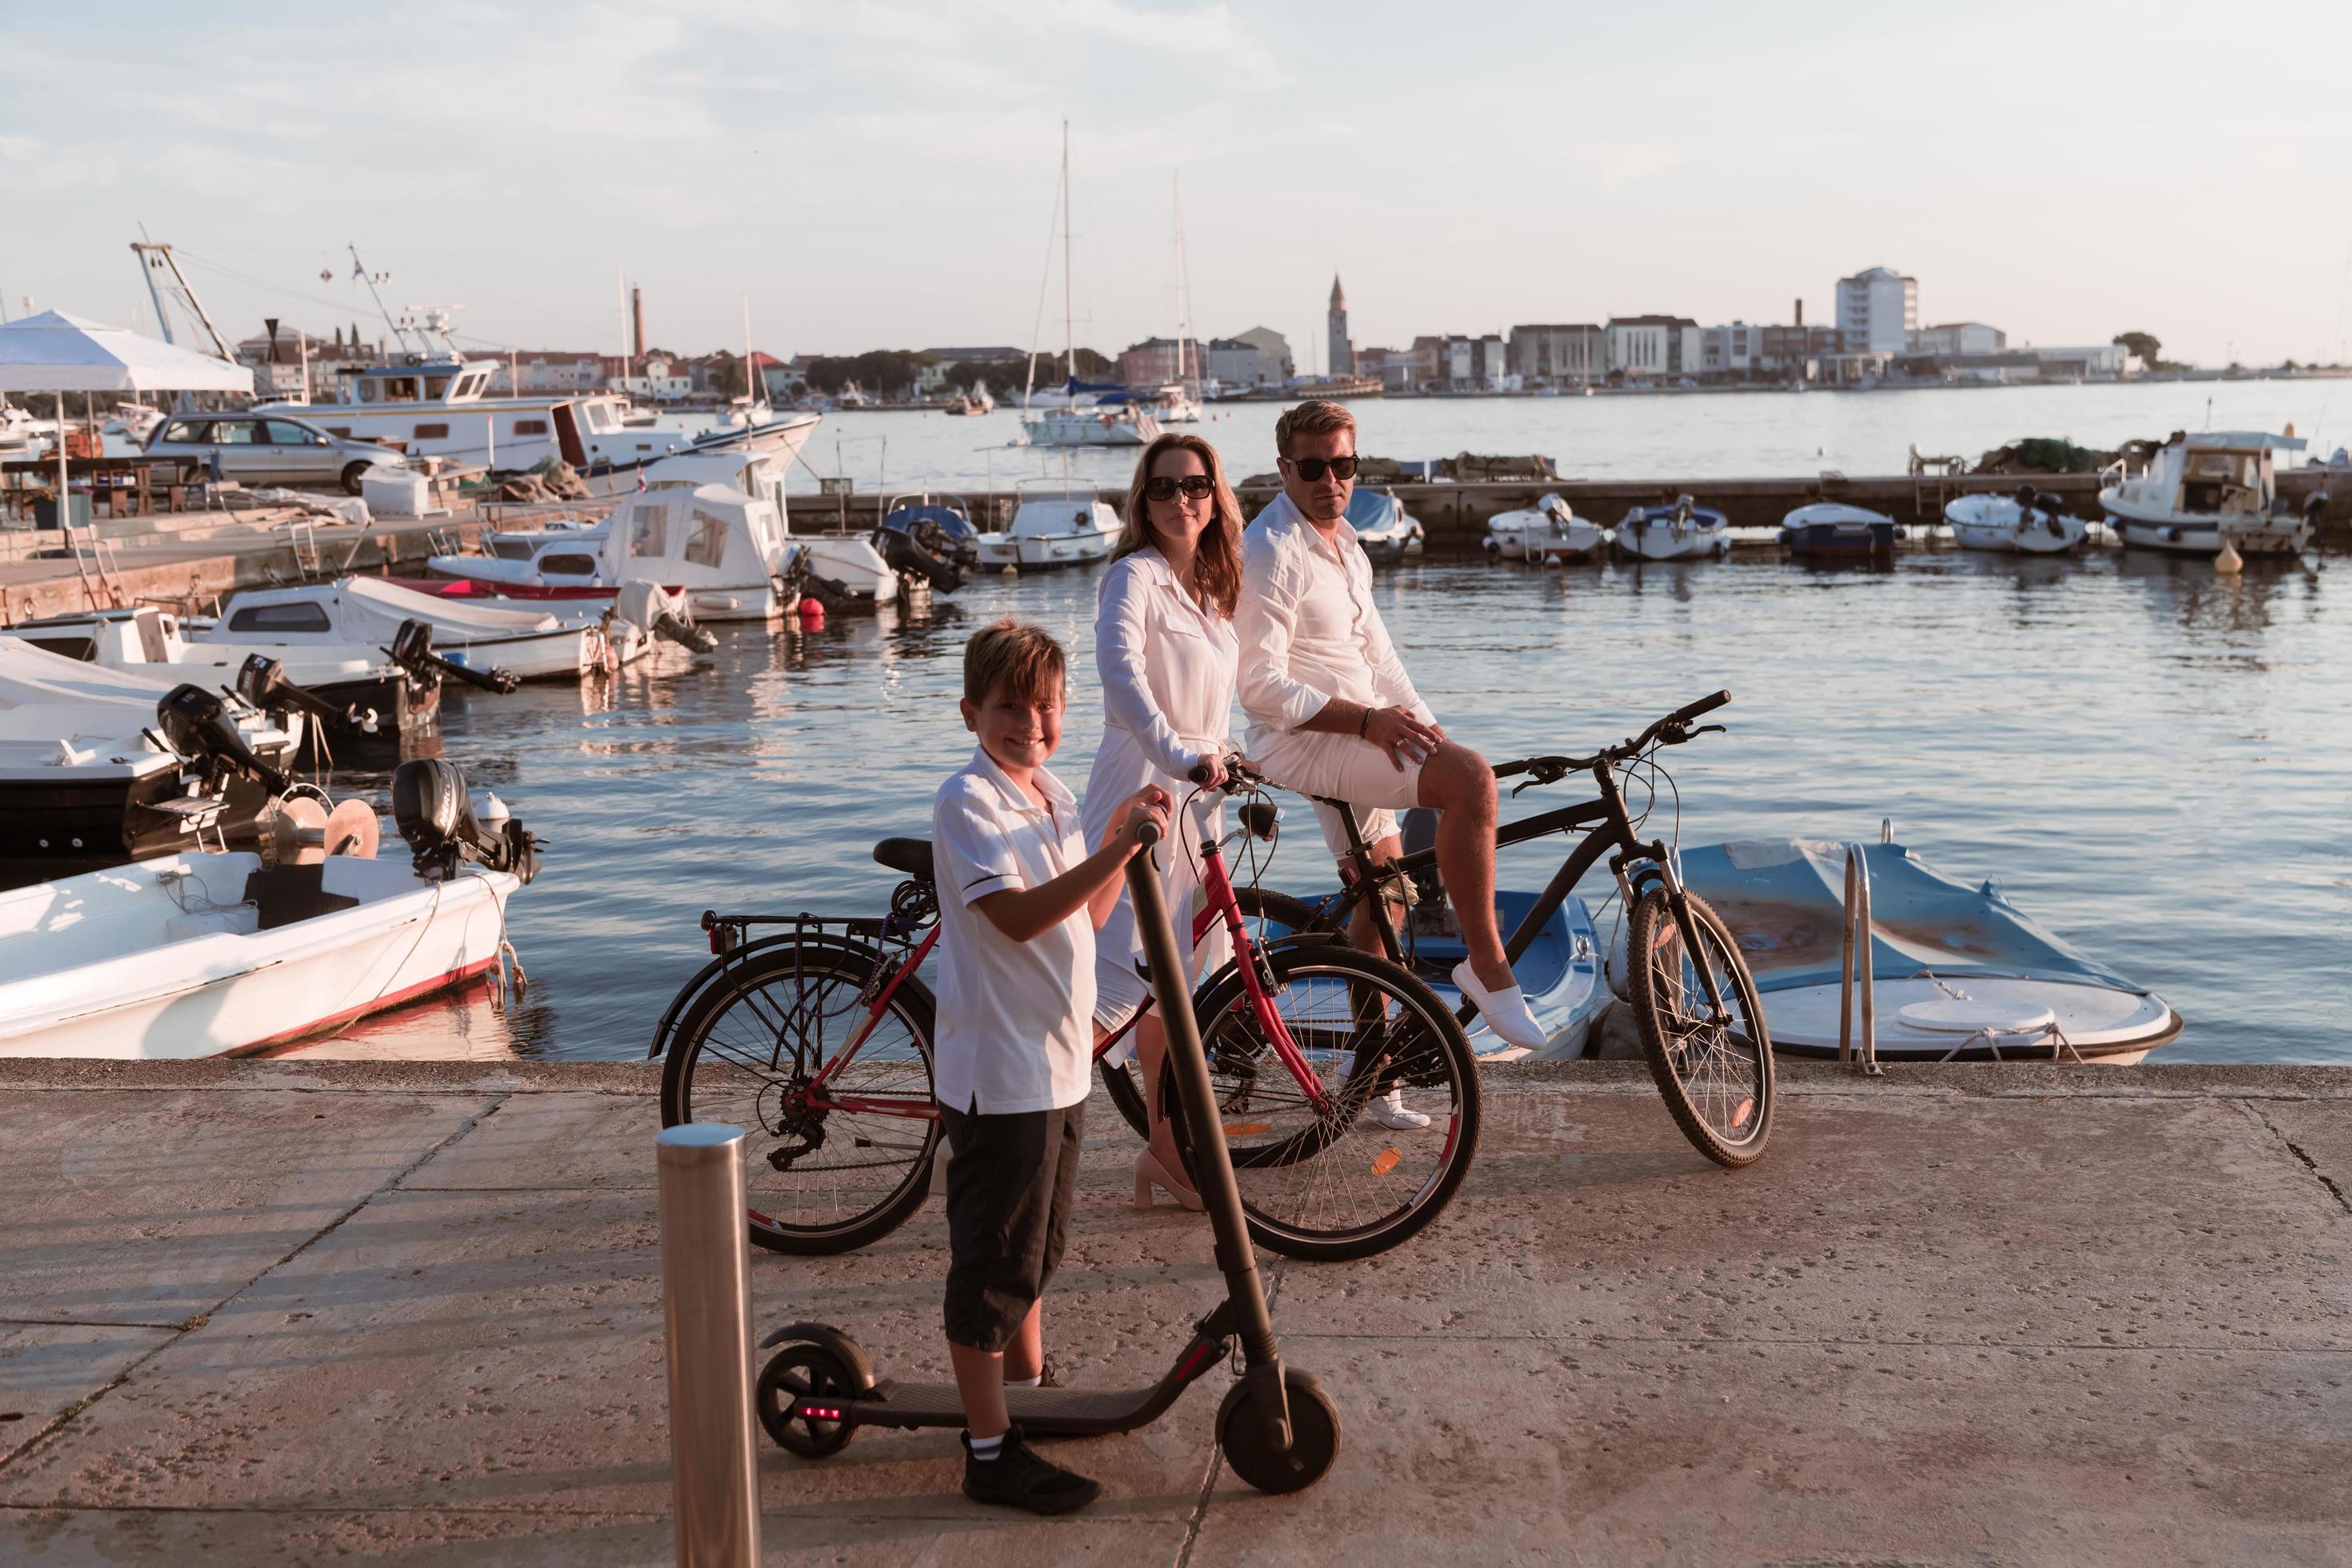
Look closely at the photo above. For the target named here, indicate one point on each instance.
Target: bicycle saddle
(910, 856)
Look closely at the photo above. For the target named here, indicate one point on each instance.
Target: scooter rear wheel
(802, 1372)
(1313, 1435)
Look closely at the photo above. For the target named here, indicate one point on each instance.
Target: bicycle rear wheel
(1716, 1073)
(1266, 916)
(831, 1166)
(1330, 1181)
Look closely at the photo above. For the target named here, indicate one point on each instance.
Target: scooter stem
(1213, 1165)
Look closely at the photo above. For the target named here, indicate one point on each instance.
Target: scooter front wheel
(1313, 1435)
(799, 1371)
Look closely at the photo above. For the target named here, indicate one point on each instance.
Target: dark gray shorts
(1011, 1181)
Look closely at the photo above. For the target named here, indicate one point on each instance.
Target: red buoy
(812, 614)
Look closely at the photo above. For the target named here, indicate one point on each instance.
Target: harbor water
(2151, 760)
(1659, 435)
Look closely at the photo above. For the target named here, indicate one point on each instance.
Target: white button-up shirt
(1014, 1031)
(1310, 632)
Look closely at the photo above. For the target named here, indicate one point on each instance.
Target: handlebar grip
(1703, 705)
(1199, 771)
(1147, 834)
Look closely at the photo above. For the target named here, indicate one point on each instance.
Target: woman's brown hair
(1217, 564)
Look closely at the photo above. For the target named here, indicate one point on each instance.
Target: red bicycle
(816, 1040)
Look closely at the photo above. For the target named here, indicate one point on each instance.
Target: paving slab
(47, 1369)
(1513, 1450)
(1932, 1218)
(157, 1211)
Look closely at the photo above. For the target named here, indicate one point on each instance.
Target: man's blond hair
(1320, 418)
(1024, 662)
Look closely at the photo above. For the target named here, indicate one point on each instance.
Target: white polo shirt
(1014, 1031)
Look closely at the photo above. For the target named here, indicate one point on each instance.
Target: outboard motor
(412, 649)
(261, 680)
(2315, 508)
(197, 723)
(436, 817)
(644, 604)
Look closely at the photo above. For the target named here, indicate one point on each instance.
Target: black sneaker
(1018, 1478)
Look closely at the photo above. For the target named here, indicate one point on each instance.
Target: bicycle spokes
(1710, 1046)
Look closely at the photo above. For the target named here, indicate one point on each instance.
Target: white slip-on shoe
(1506, 1011)
(1392, 1113)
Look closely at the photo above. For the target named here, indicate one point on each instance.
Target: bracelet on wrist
(1363, 722)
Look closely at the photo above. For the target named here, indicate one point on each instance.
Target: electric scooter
(1278, 1429)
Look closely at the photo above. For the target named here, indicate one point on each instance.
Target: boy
(1012, 1057)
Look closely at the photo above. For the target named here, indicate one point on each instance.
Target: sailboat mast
(1183, 292)
(1069, 296)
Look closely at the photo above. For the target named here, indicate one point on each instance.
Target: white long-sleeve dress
(1167, 666)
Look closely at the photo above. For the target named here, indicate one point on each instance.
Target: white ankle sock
(985, 1449)
(1036, 1381)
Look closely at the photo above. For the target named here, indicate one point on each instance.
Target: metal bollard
(706, 1341)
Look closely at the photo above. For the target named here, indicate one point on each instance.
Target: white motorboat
(1957, 972)
(1123, 425)
(1836, 529)
(2031, 522)
(223, 953)
(101, 765)
(522, 640)
(372, 694)
(1546, 533)
(1058, 522)
(1684, 531)
(2204, 487)
(1384, 529)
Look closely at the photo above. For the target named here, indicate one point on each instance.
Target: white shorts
(1340, 767)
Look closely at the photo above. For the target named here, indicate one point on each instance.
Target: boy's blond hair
(1320, 418)
(1024, 661)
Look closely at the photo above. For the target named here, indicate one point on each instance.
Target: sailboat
(1087, 418)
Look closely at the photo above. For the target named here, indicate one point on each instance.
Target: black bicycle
(1695, 1005)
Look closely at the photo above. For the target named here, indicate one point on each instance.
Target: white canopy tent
(60, 354)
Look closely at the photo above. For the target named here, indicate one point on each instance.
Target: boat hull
(1043, 551)
(227, 991)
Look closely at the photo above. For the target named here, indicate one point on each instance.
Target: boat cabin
(2211, 473)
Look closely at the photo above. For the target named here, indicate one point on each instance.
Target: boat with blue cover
(1384, 529)
(932, 537)
(1681, 531)
(1958, 972)
(1835, 528)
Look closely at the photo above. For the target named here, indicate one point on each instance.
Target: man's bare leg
(1459, 786)
(1363, 930)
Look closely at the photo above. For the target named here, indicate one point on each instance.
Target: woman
(1166, 654)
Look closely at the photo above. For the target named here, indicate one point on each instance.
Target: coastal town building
(1877, 311)
(1958, 338)
(1646, 347)
(1559, 355)
(1394, 367)
(1341, 355)
(1156, 362)
(1259, 357)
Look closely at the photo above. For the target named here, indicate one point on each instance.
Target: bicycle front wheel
(1330, 1167)
(839, 1141)
(1713, 1066)
(1266, 916)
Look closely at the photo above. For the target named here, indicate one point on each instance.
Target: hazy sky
(883, 174)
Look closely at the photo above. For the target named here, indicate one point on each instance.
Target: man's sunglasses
(1160, 487)
(1311, 469)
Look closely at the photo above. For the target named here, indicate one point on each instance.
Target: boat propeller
(261, 680)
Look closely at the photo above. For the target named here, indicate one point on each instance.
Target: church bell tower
(1341, 359)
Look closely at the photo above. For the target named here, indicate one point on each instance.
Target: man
(1332, 713)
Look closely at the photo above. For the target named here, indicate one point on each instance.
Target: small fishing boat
(1384, 529)
(1684, 531)
(364, 693)
(525, 642)
(1546, 533)
(2031, 522)
(1835, 529)
(2204, 487)
(206, 954)
(1058, 522)
(1958, 972)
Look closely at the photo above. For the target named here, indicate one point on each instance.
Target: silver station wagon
(269, 449)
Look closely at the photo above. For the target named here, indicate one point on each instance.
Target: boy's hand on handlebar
(1404, 737)
(1149, 805)
(1209, 772)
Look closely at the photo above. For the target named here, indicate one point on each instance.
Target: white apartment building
(1735, 351)
(1646, 347)
(1562, 355)
(1878, 311)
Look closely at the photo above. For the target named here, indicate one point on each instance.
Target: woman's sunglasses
(1311, 469)
(1159, 487)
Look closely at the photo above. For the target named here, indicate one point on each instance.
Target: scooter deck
(1075, 1412)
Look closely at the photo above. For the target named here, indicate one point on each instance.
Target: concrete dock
(281, 1311)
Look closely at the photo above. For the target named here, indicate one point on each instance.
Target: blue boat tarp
(1784, 900)
(1368, 510)
(955, 523)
